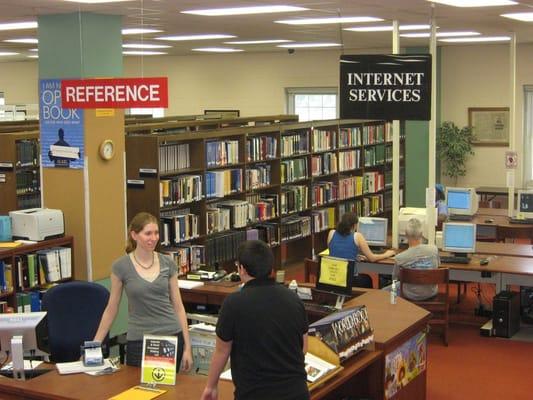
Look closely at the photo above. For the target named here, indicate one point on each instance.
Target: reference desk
(493, 224)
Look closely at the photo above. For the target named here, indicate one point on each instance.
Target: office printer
(405, 215)
(37, 223)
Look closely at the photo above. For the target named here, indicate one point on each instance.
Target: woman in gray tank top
(151, 285)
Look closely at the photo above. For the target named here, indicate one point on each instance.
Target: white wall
(18, 81)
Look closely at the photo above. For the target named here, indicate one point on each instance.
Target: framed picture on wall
(223, 113)
(490, 125)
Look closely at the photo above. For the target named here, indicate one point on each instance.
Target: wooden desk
(498, 227)
(500, 212)
(505, 249)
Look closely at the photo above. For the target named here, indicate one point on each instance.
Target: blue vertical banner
(62, 130)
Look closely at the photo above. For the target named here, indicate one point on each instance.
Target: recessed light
(521, 16)
(196, 37)
(260, 41)
(22, 40)
(138, 31)
(328, 20)
(8, 53)
(477, 39)
(385, 28)
(217, 50)
(18, 25)
(215, 12)
(145, 46)
(439, 34)
(304, 45)
(143, 53)
(475, 3)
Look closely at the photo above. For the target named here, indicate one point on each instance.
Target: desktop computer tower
(506, 313)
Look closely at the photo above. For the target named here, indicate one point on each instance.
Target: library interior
(348, 183)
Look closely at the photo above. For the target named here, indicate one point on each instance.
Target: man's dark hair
(256, 257)
(347, 222)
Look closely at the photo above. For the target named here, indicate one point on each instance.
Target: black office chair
(362, 281)
(74, 313)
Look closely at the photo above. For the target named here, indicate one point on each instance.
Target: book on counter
(346, 332)
(202, 275)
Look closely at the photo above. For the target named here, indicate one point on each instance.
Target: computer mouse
(483, 261)
(235, 278)
(489, 221)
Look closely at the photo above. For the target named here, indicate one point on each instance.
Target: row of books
(323, 164)
(294, 198)
(366, 206)
(350, 137)
(222, 152)
(261, 148)
(323, 219)
(27, 181)
(375, 155)
(6, 277)
(323, 193)
(372, 134)
(296, 143)
(223, 182)
(173, 157)
(349, 160)
(29, 301)
(264, 206)
(181, 189)
(350, 186)
(258, 176)
(29, 200)
(188, 258)
(27, 152)
(323, 140)
(293, 170)
(178, 228)
(373, 182)
(227, 214)
(295, 227)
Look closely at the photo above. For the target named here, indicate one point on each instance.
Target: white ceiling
(165, 15)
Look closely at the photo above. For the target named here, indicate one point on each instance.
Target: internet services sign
(386, 86)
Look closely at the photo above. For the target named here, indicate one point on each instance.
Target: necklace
(142, 266)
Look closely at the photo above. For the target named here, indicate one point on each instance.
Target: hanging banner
(115, 93)
(386, 87)
(62, 130)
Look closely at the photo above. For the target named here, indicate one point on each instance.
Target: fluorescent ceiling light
(260, 41)
(8, 53)
(196, 37)
(23, 40)
(96, 1)
(217, 50)
(145, 46)
(33, 56)
(475, 3)
(18, 25)
(328, 20)
(304, 45)
(385, 28)
(215, 12)
(33, 50)
(522, 16)
(439, 34)
(477, 39)
(138, 31)
(143, 53)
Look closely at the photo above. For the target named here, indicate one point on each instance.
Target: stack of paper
(183, 284)
(77, 367)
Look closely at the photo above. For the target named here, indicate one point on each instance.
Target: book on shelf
(346, 332)
(173, 157)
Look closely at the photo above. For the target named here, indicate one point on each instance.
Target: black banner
(387, 87)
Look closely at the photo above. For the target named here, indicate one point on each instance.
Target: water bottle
(293, 286)
(393, 292)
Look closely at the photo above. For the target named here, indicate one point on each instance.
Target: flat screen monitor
(461, 201)
(459, 237)
(31, 326)
(524, 207)
(335, 275)
(374, 230)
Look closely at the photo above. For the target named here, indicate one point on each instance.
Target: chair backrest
(74, 313)
(424, 276)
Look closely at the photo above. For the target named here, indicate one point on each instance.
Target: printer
(37, 223)
(405, 215)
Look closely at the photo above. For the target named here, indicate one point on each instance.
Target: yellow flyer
(159, 359)
(333, 271)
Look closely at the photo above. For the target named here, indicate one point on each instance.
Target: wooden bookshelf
(19, 171)
(303, 180)
(13, 257)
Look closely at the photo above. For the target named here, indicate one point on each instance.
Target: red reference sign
(115, 93)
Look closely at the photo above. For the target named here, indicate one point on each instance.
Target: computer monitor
(459, 238)
(335, 275)
(461, 202)
(23, 333)
(374, 230)
(524, 209)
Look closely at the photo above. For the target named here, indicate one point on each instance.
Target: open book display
(321, 363)
(345, 332)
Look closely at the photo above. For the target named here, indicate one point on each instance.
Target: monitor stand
(378, 249)
(17, 357)
(340, 301)
(458, 217)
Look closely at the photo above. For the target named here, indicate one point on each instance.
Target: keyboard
(527, 221)
(30, 373)
(454, 260)
(322, 309)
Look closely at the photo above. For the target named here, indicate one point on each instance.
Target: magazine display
(316, 367)
(346, 332)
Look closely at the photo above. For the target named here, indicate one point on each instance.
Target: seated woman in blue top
(345, 242)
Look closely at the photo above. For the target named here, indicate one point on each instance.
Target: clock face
(107, 150)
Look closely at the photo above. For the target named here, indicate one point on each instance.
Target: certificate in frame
(490, 125)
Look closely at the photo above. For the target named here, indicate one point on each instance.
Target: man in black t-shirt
(264, 328)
